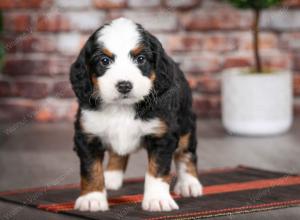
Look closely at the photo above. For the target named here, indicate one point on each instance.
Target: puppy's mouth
(125, 99)
(125, 96)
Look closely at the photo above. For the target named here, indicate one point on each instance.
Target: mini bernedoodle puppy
(132, 95)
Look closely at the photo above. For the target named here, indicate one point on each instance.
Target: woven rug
(226, 192)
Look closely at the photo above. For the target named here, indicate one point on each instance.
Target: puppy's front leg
(115, 170)
(157, 180)
(93, 194)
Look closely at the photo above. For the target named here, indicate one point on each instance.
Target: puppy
(131, 95)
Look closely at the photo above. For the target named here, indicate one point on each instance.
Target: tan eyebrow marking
(137, 50)
(107, 52)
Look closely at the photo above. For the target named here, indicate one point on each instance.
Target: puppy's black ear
(81, 80)
(162, 64)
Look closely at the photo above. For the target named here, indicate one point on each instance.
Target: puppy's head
(121, 63)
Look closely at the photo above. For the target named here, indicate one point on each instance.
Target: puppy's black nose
(124, 86)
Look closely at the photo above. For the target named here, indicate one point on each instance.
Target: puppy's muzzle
(124, 87)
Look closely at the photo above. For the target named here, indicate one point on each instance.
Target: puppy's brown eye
(105, 61)
(141, 59)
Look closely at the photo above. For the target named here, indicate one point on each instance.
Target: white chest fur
(117, 127)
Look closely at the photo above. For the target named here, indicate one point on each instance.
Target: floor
(39, 154)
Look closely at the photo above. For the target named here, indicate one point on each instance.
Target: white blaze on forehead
(120, 36)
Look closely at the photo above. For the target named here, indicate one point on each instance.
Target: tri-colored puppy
(132, 95)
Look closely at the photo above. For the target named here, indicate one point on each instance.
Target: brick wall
(42, 38)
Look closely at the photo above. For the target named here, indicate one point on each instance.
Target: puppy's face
(121, 63)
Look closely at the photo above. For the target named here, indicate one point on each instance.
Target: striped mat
(226, 191)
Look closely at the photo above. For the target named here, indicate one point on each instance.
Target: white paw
(94, 201)
(188, 186)
(159, 203)
(157, 195)
(113, 179)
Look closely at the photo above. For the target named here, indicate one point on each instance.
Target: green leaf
(254, 4)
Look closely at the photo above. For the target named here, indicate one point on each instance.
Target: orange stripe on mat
(112, 201)
(257, 184)
(231, 210)
(209, 190)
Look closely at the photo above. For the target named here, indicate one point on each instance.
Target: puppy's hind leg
(113, 176)
(185, 158)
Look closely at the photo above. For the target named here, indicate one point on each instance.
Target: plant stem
(258, 67)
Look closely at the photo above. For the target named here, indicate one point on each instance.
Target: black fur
(170, 100)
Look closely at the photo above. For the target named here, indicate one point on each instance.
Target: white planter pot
(256, 104)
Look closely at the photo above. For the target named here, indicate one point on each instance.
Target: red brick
(17, 22)
(291, 3)
(109, 4)
(216, 19)
(297, 84)
(36, 43)
(10, 4)
(272, 59)
(238, 60)
(290, 41)
(179, 4)
(200, 106)
(192, 42)
(196, 42)
(199, 63)
(21, 110)
(266, 41)
(5, 4)
(201, 50)
(62, 89)
(61, 65)
(193, 81)
(205, 84)
(23, 67)
(218, 43)
(43, 66)
(6, 88)
(52, 109)
(53, 23)
(33, 3)
(176, 42)
(297, 106)
(276, 60)
(208, 85)
(32, 89)
(207, 106)
(10, 42)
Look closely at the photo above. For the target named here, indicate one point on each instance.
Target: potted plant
(256, 101)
